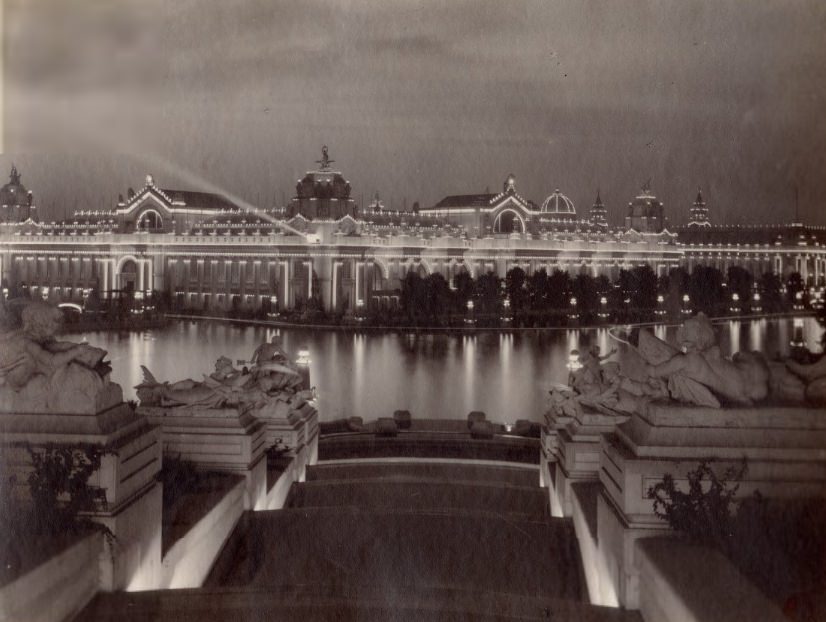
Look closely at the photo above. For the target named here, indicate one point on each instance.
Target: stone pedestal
(549, 456)
(297, 428)
(578, 452)
(785, 448)
(128, 474)
(217, 439)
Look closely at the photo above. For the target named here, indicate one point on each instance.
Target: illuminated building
(210, 254)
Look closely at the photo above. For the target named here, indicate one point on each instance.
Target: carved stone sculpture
(813, 378)
(697, 372)
(271, 381)
(39, 374)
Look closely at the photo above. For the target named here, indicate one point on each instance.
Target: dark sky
(419, 99)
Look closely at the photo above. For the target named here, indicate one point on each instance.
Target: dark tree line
(637, 295)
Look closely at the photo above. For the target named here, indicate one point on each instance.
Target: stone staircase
(390, 540)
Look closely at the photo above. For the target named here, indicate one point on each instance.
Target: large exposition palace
(210, 253)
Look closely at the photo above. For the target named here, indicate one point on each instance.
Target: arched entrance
(508, 221)
(128, 275)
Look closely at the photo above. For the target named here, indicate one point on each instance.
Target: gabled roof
(466, 200)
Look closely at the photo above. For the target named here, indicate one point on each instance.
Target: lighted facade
(211, 254)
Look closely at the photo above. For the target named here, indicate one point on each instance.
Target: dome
(558, 204)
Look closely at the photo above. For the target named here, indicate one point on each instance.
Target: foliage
(542, 299)
(706, 289)
(769, 288)
(60, 499)
(488, 288)
(59, 486)
(740, 283)
(705, 512)
(643, 288)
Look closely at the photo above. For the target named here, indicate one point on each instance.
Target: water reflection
(371, 375)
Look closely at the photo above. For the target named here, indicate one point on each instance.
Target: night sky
(419, 99)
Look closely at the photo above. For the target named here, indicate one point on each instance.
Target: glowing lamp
(303, 357)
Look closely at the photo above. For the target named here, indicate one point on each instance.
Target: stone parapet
(216, 439)
(784, 448)
(128, 469)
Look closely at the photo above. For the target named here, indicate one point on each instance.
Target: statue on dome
(39, 374)
(325, 160)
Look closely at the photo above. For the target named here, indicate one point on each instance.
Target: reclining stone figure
(40, 374)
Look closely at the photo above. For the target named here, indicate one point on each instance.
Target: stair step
(426, 471)
(415, 494)
(392, 550)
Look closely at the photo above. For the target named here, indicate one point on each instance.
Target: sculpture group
(271, 385)
(39, 374)
(694, 372)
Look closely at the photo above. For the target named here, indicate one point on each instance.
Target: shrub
(59, 486)
(705, 514)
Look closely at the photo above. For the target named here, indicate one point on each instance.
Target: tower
(598, 214)
(698, 214)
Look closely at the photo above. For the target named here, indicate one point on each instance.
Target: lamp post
(507, 316)
(660, 310)
(603, 308)
(573, 315)
(735, 303)
(470, 320)
(756, 305)
(686, 310)
(273, 312)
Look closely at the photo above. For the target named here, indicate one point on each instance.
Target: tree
(794, 284)
(559, 290)
(739, 282)
(516, 287)
(643, 288)
(488, 288)
(437, 296)
(465, 287)
(769, 288)
(706, 289)
(537, 285)
(584, 289)
(413, 297)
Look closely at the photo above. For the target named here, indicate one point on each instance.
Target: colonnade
(343, 276)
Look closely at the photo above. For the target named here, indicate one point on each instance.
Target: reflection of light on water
(602, 341)
(757, 331)
(734, 337)
(469, 344)
(358, 390)
(661, 331)
(572, 337)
